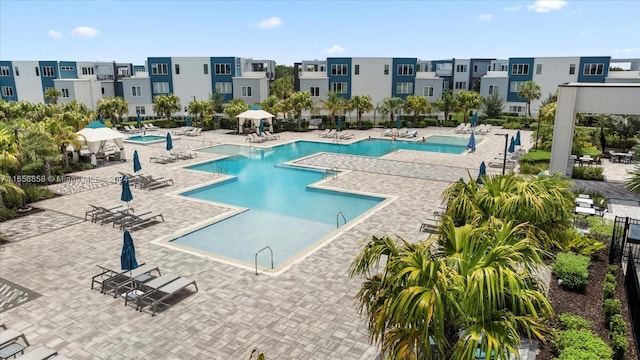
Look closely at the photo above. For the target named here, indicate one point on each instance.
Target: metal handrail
(256, 257)
(338, 218)
(219, 169)
(251, 147)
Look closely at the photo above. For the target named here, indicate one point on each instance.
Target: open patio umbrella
(517, 141)
(483, 172)
(512, 146)
(339, 124)
(188, 122)
(126, 191)
(169, 142)
(472, 143)
(474, 119)
(136, 162)
(139, 121)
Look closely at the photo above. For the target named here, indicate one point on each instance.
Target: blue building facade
(160, 75)
(8, 91)
(403, 77)
(520, 71)
(339, 74)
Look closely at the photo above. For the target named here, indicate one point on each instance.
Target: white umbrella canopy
(95, 135)
(256, 115)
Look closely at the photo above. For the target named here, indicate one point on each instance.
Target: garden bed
(589, 305)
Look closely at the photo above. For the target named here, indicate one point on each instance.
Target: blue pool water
(284, 213)
(145, 138)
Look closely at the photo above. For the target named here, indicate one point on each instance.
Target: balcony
(313, 75)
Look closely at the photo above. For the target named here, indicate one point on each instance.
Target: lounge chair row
(332, 133)
(122, 216)
(13, 342)
(140, 287)
(261, 137)
(400, 133)
(146, 182)
(188, 131)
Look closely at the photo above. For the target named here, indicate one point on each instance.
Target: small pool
(285, 210)
(145, 139)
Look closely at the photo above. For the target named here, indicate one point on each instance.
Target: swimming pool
(285, 211)
(145, 139)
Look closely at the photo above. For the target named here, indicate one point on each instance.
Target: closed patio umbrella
(126, 191)
(139, 121)
(512, 146)
(472, 143)
(169, 142)
(261, 127)
(474, 119)
(483, 172)
(517, 141)
(339, 124)
(101, 119)
(136, 162)
(398, 122)
(128, 256)
(188, 121)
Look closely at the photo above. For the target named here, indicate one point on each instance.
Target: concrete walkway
(306, 312)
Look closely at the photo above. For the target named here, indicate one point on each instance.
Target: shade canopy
(96, 135)
(128, 256)
(256, 115)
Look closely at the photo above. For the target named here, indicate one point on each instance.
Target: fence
(632, 286)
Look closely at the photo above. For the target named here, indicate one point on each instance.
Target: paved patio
(305, 312)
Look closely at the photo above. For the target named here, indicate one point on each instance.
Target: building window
(386, 69)
(246, 91)
(4, 71)
(404, 88)
(593, 69)
(223, 69)
(37, 71)
(159, 69)
(515, 86)
(136, 91)
(356, 71)
(405, 69)
(427, 91)
(177, 69)
(16, 71)
(64, 93)
(538, 69)
(460, 85)
(47, 71)
(205, 68)
(475, 68)
(461, 68)
(7, 91)
(67, 68)
(140, 110)
(102, 91)
(338, 69)
(87, 70)
(572, 69)
(504, 67)
(339, 87)
(314, 90)
(488, 67)
(493, 89)
(161, 87)
(516, 108)
(520, 69)
(224, 88)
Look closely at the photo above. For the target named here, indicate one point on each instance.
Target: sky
(292, 31)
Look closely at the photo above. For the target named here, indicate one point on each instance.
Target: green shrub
(533, 169)
(588, 173)
(616, 324)
(512, 125)
(573, 269)
(619, 345)
(573, 322)
(536, 156)
(611, 307)
(6, 214)
(610, 278)
(578, 243)
(34, 168)
(35, 193)
(600, 228)
(580, 345)
(612, 269)
(609, 290)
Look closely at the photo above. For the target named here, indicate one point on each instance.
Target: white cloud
(485, 17)
(84, 31)
(626, 51)
(335, 49)
(545, 6)
(54, 34)
(627, 30)
(513, 8)
(269, 23)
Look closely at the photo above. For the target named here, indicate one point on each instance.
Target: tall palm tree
(392, 106)
(530, 91)
(270, 105)
(300, 101)
(633, 183)
(166, 104)
(447, 104)
(416, 105)
(200, 110)
(334, 104)
(112, 108)
(361, 104)
(473, 288)
(52, 95)
(282, 87)
(63, 135)
(468, 100)
(234, 108)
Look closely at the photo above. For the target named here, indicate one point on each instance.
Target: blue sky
(288, 31)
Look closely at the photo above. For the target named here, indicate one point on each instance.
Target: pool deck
(305, 312)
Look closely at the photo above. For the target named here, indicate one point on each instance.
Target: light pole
(504, 161)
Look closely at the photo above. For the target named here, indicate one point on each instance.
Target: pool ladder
(333, 173)
(219, 170)
(256, 257)
(252, 149)
(394, 148)
(338, 219)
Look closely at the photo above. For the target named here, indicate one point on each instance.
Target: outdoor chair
(109, 279)
(151, 127)
(151, 183)
(324, 133)
(182, 130)
(331, 133)
(194, 132)
(271, 136)
(387, 132)
(159, 295)
(430, 226)
(104, 213)
(9, 342)
(143, 289)
(132, 221)
(346, 136)
(42, 352)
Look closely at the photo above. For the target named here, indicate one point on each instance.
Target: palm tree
(234, 108)
(300, 100)
(447, 104)
(112, 108)
(468, 100)
(63, 135)
(282, 87)
(270, 105)
(166, 104)
(416, 105)
(52, 95)
(392, 105)
(530, 91)
(217, 102)
(201, 110)
(633, 183)
(361, 104)
(334, 104)
(472, 288)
